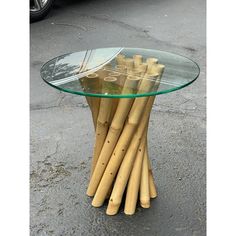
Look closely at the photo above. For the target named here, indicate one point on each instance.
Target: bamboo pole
(115, 100)
(152, 186)
(94, 102)
(121, 69)
(120, 59)
(117, 156)
(129, 62)
(102, 120)
(134, 182)
(144, 183)
(91, 82)
(138, 60)
(150, 62)
(122, 111)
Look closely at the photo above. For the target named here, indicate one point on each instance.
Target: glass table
(120, 85)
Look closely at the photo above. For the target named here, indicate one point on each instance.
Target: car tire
(36, 15)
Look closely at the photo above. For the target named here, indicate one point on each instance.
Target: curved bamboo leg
(134, 183)
(102, 122)
(94, 106)
(92, 81)
(152, 187)
(144, 183)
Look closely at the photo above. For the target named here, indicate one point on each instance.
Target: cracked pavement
(62, 129)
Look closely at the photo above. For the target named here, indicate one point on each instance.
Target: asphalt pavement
(62, 131)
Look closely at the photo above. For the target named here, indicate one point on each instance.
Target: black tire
(40, 14)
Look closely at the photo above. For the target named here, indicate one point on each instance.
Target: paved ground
(62, 131)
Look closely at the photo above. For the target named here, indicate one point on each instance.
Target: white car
(39, 9)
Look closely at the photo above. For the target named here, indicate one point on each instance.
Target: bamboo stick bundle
(134, 182)
(123, 137)
(136, 146)
(144, 195)
(118, 121)
(103, 119)
(126, 167)
(121, 146)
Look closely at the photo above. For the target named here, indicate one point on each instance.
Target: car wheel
(39, 9)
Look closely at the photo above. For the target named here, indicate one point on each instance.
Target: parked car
(39, 9)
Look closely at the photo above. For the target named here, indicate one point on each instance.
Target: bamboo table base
(119, 85)
(120, 160)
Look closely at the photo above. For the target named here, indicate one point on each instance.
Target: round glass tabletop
(120, 72)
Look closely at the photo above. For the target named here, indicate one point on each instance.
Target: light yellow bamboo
(120, 59)
(144, 184)
(102, 121)
(150, 62)
(134, 182)
(152, 186)
(138, 60)
(90, 83)
(129, 62)
(122, 111)
(135, 114)
(94, 102)
(121, 69)
(115, 101)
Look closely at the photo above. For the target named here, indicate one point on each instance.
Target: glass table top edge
(153, 93)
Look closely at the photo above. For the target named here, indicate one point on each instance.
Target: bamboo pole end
(145, 202)
(96, 203)
(129, 211)
(112, 209)
(154, 195)
(89, 193)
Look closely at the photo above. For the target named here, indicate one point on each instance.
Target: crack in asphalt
(139, 30)
(38, 107)
(81, 27)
